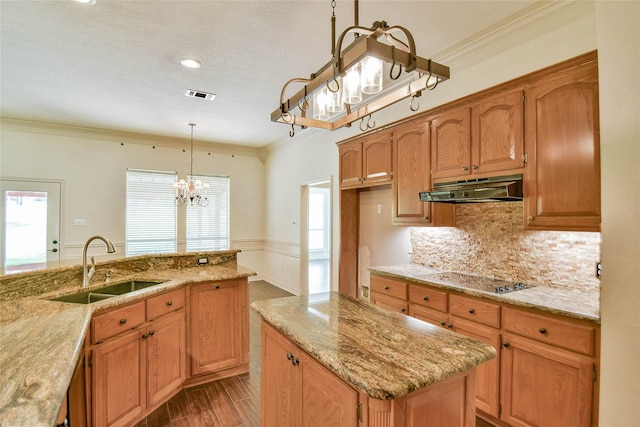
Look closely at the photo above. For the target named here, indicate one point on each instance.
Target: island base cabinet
(544, 386)
(298, 391)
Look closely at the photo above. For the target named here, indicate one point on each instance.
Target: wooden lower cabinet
(299, 391)
(219, 326)
(543, 385)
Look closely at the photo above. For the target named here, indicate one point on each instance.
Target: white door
(30, 219)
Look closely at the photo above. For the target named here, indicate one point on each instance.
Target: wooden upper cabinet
(562, 179)
(366, 161)
(497, 132)
(451, 144)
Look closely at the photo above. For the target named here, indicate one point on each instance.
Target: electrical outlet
(78, 221)
(598, 269)
(203, 261)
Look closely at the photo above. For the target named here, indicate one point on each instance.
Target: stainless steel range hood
(498, 189)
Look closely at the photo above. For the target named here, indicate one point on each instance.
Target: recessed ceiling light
(190, 63)
(87, 1)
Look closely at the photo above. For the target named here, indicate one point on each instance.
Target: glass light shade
(351, 90)
(320, 100)
(371, 75)
(334, 103)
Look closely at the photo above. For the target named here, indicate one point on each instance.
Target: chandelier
(350, 87)
(193, 192)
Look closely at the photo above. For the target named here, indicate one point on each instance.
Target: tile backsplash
(489, 239)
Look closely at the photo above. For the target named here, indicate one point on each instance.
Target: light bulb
(352, 93)
(320, 105)
(371, 75)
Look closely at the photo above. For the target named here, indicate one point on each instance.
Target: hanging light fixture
(350, 86)
(193, 192)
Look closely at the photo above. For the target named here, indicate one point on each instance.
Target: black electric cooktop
(481, 283)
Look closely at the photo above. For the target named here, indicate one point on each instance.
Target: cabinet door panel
(281, 399)
(411, 173)
(166, 357)
(544, 386)
(498, 134)
(328, 401)
(488, 373)
(350, 164)
(119, 381)
(563, 173)
(450, 144)
(216, 326)
(376, 158)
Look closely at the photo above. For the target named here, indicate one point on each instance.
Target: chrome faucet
(88, 274)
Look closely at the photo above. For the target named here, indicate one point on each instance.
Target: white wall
(92, 171)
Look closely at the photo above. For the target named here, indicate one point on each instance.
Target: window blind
(150, 212)
(208, 227)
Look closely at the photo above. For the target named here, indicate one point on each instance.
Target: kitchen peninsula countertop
(41, 341)
(386, 355)
(567, 302)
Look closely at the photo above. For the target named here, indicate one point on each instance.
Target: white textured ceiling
(115, 64)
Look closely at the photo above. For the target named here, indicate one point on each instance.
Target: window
(150, 212)
(208, 227)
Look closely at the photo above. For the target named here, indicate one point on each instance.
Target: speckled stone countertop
(381, 353)
(566, 302)
(41, 341)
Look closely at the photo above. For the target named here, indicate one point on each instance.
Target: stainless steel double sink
(87, 297)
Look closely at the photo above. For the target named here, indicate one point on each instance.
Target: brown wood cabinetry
(451, 144)
(479, 140)
(548, 371)
(136, 368)
(412, 174)
(307, 393)
(389, 294)
(546, 364)
(562, 180)
(366, 161)
(219, 326)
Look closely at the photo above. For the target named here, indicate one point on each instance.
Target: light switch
(379, 209)
(78, 221)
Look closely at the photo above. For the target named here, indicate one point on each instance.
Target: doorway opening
(30, 220)
(316, 236)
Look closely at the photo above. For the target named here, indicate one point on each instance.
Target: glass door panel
(30, 218)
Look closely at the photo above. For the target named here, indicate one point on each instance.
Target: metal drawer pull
(403, 310)
(123, 321)
(386, 288)
(169, 303)
(151, 332)
(426, 298)
(217, 286)
(543, 330)
(443, 323)
(471, 311)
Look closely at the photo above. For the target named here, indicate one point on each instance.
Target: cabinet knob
(426, 218)
(145, 336)
(426, 298)
(443, 323)
(217, 286)
(466, 168)
(506, 345)
(169, 303)
(471, 311)
(530, 218)
(403, 310)
(289, 356)
(386, 288)
(450, 325)
(123, 321)
(543, 330)
(475, 166)
(151, 332)
(295, 361)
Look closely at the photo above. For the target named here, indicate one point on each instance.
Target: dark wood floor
(232, 401)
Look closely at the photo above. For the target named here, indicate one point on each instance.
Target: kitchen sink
(88, 297)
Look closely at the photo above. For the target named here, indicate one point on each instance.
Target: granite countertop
(41, 341)
(567, 302)
(381, 353)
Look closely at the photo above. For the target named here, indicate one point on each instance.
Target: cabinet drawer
(112, 323)
(391, 287)
(165, 303)
(428, 315)
(389, 303)
(428, 297)
(476, 310)
(574, 337)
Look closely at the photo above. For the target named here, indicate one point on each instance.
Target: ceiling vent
(199, 94)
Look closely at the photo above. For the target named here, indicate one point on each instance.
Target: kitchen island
(340, 361)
